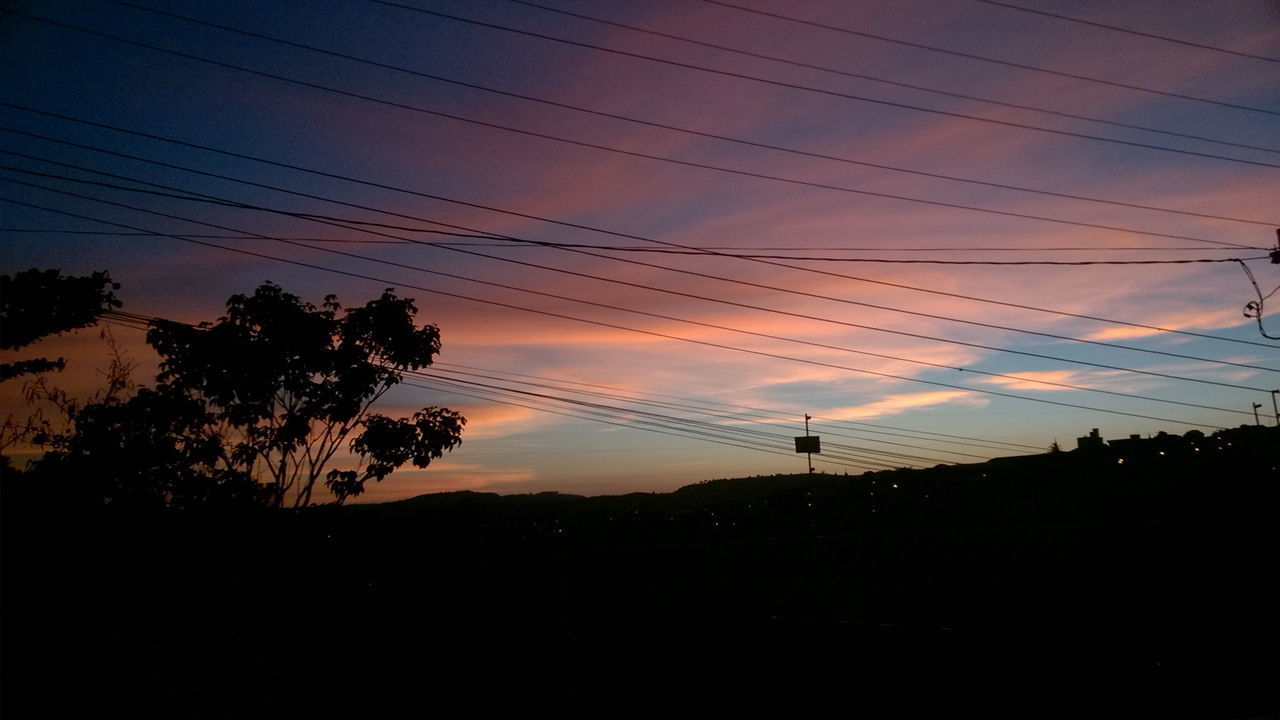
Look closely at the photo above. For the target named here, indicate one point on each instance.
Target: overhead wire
(697, 133)
(744, 173)
(332, 220)
(824, 91)
(589, 228)
(720, 416)
(604, 417)
(870, 78)
(1129, 31)
(701, 429)
(773, 415)
(549, 136)
(622, 417)
(982, 58)
(480, 242)
(517, 242)
(600, 323)
(341, 221)
(478, 237)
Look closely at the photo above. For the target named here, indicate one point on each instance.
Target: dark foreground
(1054, 586)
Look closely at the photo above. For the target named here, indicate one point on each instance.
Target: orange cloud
(896, 404)
(443, 476)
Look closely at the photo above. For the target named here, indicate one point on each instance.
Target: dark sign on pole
(808, 444)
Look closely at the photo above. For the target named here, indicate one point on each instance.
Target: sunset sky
(640, 145)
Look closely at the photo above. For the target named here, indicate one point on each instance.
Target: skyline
(571, 145)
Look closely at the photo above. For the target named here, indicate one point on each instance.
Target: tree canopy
(38, 303)
(256, 407)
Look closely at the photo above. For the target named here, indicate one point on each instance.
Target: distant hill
(1127, 480)
(1136, 579)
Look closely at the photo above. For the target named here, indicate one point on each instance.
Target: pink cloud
(900, 403)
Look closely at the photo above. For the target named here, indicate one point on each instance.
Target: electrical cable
(612, 233)
(509, 244)
(547, 136)
(697, 133)
(844, 452)
(142, 322)
(772, 415)
(829, 93)
(620, 327)
(603, 415)
(971, 56)
(870, 78)
(685, 424)
(687, 407)
(649, 250)
(332, 220)
(1129, 31)
(336, 221)
(600, 323)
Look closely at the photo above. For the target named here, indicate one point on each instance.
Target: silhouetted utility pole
(1256, 421)
(1275, 408)
(808, 456)
(809, 444)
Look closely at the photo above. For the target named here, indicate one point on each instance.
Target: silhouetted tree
(253, 408)
(37, 303)
(158, 448)
(286, 385)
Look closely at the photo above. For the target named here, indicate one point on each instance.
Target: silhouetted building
(1127, 445)
(1092, 441)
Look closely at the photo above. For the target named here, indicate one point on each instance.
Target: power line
(769, 336)
(590, 228)
(720, 416)
(778, 415)
(597, 415)
(698, 133)
(875, 78)
(700, 427)
(844, 452)
(823, 91)
(1129, 31)
(143, 322)
(645, 425)
(701, 248)
(883, 430)
(971, 56)
(600, 323)
(331, 220)
(652, 250)
(688, 408)
(823, 186)
(481, 123)
(674, 161)
(603, 416)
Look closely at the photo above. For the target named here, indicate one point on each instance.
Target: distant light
(1120, 460)
(895, 485)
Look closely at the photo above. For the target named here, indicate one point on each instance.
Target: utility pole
(808, 455)
(809, 444)
(1256, 421)
(1274, 407)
